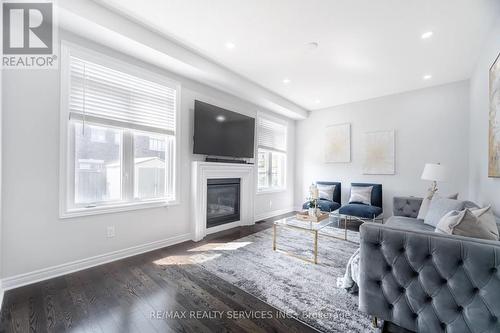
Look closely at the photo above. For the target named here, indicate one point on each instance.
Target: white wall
(1, 211)
(431, 126)
(37, 238)
(484, 190)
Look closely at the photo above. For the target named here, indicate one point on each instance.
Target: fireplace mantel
(201, 171)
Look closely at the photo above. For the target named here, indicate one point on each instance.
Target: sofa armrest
(429, 282)
(406, 206)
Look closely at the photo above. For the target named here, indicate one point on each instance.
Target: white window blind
(98, 93)
(272, 135)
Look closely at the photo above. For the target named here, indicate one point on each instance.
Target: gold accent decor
(494, 121)
(304, 216)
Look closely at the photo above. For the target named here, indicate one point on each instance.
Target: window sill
(77, 212)
(271, 190)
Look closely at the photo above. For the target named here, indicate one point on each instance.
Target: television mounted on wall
(220, 132)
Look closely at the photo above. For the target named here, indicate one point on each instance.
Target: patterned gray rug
(296, 287)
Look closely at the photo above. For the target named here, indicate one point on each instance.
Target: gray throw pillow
(424, 207)
(361, 194)
(477, 223)
(326, 191)
(487, 221)
(471, 205)
(439, 207)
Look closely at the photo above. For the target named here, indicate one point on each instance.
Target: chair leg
(374, 322)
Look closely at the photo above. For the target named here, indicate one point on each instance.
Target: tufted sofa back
(406, 206)
(428, 282)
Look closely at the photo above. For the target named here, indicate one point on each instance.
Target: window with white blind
(120, 133)
(271, 155)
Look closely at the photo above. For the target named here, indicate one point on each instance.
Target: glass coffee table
(313, 227)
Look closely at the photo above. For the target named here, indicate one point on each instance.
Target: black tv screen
(221, 132)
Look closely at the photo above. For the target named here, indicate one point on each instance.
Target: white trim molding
(118, 30)
(201, 172)
(2, 292)
(67, 209)
(267, 215)
(78, 265)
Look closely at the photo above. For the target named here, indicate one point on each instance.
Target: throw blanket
(351, 276)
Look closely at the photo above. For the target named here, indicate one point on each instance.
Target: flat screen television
(220, 132)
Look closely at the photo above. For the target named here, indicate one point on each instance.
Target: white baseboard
(74, 266)
(223, 227)
(266, 215)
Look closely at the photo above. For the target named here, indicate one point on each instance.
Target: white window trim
(67, 49)
(270, 190)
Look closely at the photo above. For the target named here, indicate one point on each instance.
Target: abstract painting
(379, 153)
(338, 143)
(494, 128)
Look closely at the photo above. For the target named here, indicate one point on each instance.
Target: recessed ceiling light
(427, 77)
(312, 45)
(230, 45)
(317, 101)
(427, 34)
(286, 81)
(220, 118)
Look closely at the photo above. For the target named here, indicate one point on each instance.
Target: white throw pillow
(449, 222)
(361, 194)
(424, 208)
(326, 191)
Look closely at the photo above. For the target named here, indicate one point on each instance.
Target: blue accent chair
(326, 205)
(362, 211)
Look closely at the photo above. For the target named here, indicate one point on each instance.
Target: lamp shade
(434, 172)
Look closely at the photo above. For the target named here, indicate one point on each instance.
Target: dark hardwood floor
(159, 291)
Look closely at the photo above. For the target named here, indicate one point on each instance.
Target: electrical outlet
(270, 204)
(110, 231)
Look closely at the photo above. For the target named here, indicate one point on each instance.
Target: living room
(285, 166)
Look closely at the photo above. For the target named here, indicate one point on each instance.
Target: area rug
(306, 291)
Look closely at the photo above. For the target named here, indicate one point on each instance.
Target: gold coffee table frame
(312, 227)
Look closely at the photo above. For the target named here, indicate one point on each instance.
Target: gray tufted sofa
(428, 282)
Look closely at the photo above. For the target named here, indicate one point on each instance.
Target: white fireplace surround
(201, 171)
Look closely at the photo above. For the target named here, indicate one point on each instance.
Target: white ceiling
(366, 48)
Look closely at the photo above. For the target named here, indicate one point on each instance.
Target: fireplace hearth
(223, 201)
(204, 173)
